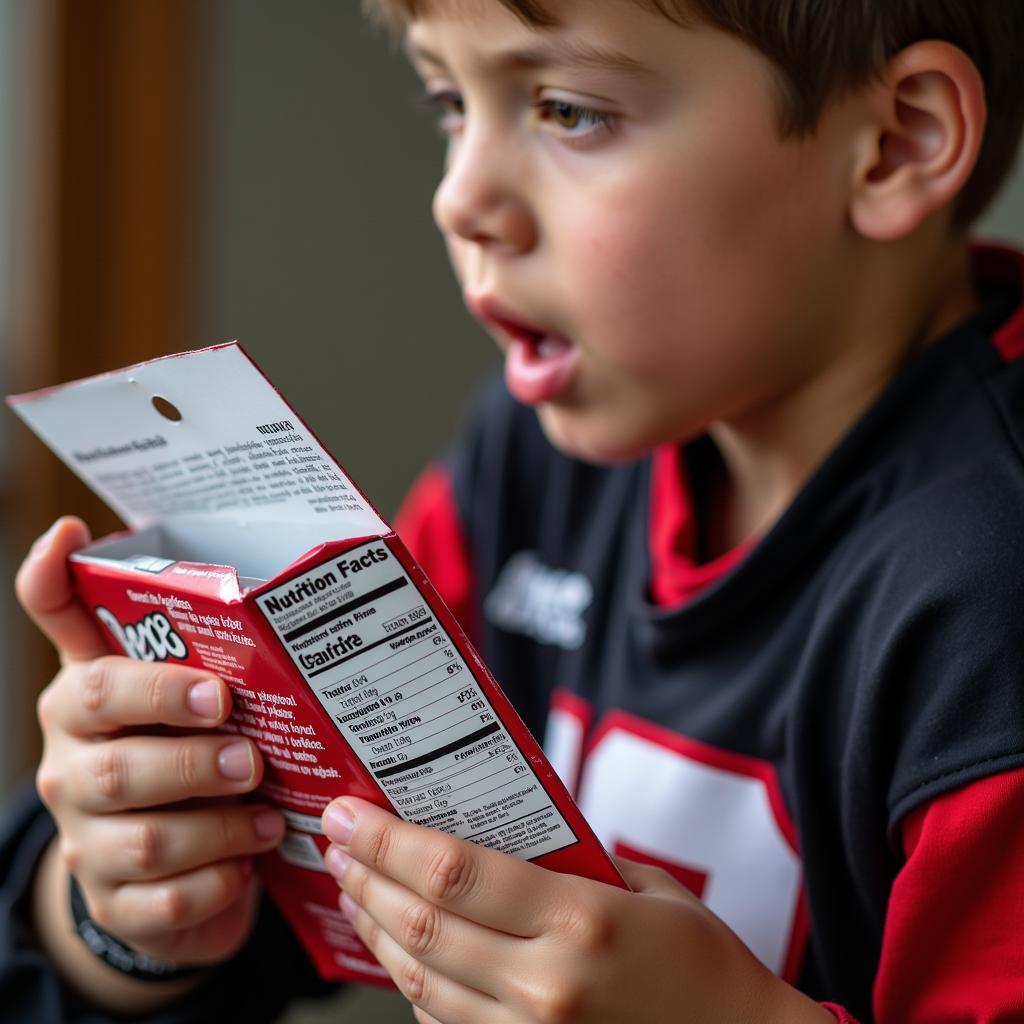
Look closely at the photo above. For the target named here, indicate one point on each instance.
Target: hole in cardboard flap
(168, 410)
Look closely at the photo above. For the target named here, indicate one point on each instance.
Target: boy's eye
(447, 104)
(572, 117)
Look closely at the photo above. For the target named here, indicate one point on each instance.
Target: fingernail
(204, 699)
(235, 762)
(348, 906)
(42, 543)
(337, 861)
(268, 825)
(338, 824)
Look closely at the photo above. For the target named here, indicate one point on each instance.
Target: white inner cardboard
(231, 476)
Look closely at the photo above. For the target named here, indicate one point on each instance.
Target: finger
(212, 941)
(113, 692)
(215, 939)
(459, 949)
(43, 585)
(439, 996)
(652, 881)
(147, 771)
(479, 884)
(140, 912)
(144, 847)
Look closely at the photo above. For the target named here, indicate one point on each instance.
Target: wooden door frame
(107, 139)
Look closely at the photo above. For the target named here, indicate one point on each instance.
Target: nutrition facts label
(406, 703)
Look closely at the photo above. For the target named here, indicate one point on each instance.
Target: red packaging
(252, 554)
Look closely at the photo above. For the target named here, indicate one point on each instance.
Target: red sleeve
(953, 948)
(430, 527)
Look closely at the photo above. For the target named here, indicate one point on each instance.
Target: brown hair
(822, 48)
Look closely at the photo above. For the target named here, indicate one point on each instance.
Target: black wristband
(115, 953)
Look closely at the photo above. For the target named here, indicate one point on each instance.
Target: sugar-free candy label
(401, 695)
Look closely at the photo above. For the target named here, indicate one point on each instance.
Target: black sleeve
(255, 986)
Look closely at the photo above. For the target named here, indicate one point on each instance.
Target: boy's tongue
(538, 369)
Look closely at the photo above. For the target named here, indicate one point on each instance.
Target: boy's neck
(768, 455)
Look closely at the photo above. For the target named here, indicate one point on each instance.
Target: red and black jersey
(773, 726)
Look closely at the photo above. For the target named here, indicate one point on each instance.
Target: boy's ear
(926, 124)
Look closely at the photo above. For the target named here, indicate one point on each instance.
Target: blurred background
(177, 173)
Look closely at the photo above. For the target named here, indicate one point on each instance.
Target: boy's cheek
(635, 290)
(630, 261)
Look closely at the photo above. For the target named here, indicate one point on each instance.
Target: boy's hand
(471, 935)
(167, 874)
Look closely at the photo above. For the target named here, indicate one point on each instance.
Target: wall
(320, 255)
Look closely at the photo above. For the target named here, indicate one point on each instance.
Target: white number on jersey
(713, 819)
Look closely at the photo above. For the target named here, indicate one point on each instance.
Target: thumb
(642, 878)
(43, 585)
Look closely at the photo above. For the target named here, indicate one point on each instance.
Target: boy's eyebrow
(567, 54)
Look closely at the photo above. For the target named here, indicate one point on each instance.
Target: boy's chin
(590, 439)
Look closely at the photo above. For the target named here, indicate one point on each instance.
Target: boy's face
(627, 223)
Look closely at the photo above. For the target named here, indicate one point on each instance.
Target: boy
(757, 569)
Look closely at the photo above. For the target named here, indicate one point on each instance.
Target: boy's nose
(480, 200)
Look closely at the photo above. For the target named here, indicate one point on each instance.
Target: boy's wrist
(115, 953)
(93, 979)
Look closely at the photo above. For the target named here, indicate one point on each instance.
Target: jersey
(771, 726)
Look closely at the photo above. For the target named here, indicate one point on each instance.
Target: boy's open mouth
(538, 363)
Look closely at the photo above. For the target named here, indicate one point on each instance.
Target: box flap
(249, 555)
(196, 437)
